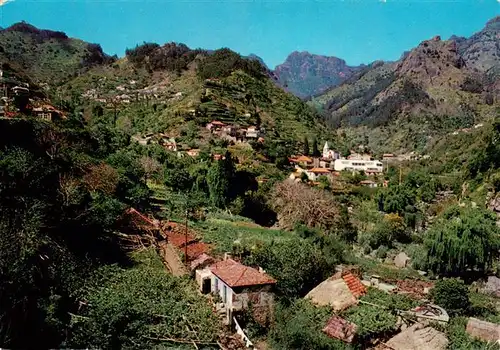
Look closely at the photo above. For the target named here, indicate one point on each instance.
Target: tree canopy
(463, 239)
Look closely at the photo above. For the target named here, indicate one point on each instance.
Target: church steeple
(326, 150)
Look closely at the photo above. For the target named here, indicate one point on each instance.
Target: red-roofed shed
(239, 286)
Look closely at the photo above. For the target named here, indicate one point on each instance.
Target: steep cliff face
(482, 50)
(433, 62)
(305, 74)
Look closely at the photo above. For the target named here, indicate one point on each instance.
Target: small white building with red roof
(239, 285)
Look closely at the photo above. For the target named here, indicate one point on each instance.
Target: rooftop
(320, 171)
(339, 328)
(235, 274)
(354, 284)
(304, 159)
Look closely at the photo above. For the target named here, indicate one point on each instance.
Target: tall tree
(306, 146)
(219, 180)
(315, 150)
(462, 240)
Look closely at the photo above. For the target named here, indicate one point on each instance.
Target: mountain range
(436, 87)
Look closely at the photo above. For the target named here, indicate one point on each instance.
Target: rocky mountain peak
(433, 61)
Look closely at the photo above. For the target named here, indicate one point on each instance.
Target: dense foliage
(171, 57)
(299, 327)
(145, 305)
(57, 215)
(451, 294)
(223, 62)
(463, 241)
(298, 264)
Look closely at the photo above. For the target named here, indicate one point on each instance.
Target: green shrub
(452, 294)
(371, 321)
(298, 326)
(382, 252)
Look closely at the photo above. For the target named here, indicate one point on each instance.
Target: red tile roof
(354, 285)
(235, 274)
(196, 249)
(367, 182)
(216, 122)
(339, 328)
(320, 171)
(304, 159)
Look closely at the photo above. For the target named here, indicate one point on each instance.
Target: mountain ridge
(437, 87)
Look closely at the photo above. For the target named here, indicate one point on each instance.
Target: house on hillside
(304, 161)
(47, 112)
(240, 286)
(340, 291)
(388, 156)
(215, 126)
(252, 132)
(193, 152)
(21, 90)
(168, 143)
(368, 183)
(359, 156)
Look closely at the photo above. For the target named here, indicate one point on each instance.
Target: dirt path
(172, 259)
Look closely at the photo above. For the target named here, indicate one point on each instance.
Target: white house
(239, 285)
(252, 132)
(329, 153)
(368, 166)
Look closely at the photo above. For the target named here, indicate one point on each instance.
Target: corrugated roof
(354, 285)
(235, 274)
(339, 328)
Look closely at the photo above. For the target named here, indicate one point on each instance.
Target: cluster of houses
(467, 130)
(12, 89)
(330, 164)
(160, 138)
(170, 144)
(235, 133)
(129, 92)
(38, 109)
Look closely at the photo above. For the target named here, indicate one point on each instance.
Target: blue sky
(359, 31)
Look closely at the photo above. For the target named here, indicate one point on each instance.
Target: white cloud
(384, 1)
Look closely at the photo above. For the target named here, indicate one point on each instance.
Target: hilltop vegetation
(47, 56)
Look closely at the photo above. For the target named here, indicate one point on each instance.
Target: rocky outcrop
(493, 204)
(481, 51)
(433, 62)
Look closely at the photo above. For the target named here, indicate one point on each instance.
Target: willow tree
(462, 240)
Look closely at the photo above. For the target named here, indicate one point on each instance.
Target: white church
(330, 154)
